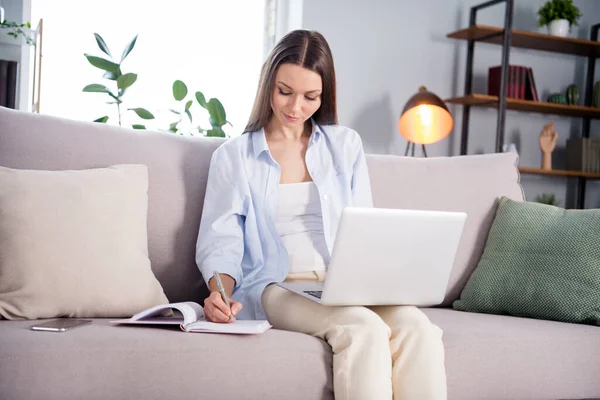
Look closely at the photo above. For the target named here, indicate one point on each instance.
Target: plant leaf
(102, 45)
(174, 111)
(215, 132)
(96, 88)
(102, 120)
(110, 75)
(217, 112)
(118, 99)
(180, 90)
(102, 63)
(173, 126)
(126, 80)
(187, 109)
(201, 99)
(128, 48)
(138, 126)
(142, 113)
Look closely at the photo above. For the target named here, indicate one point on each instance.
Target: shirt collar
(316, 132)
(260, 145)
(259, 142)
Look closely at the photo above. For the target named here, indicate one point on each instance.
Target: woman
(273, 202)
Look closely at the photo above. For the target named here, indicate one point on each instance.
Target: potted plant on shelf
(559, 16)
(16, 29)
(547, 198)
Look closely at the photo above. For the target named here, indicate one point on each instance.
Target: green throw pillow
(540, 261)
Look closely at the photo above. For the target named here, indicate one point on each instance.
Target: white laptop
(388, 257)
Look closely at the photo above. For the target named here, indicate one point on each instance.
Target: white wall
(385, 49)
(288, 17)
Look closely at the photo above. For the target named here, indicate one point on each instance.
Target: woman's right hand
(216, 310)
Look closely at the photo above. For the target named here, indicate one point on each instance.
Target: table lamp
(424, 120)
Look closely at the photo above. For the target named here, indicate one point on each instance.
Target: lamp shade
(425, 118)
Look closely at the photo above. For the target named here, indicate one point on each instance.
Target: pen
(222, 291)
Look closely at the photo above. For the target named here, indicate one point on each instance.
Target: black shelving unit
(506, 37)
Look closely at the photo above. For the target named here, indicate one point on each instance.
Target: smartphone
(60, 325)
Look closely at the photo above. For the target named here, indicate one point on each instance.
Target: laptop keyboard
(314, 293)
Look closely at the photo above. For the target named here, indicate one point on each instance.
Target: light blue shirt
(237, 233)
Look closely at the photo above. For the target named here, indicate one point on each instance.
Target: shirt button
(325, 197)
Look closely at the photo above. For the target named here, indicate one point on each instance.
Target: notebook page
(191, 312)
(237, 327)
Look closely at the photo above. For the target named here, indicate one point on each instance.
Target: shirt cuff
(208, 270)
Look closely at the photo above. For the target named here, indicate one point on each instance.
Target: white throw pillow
(74, 243)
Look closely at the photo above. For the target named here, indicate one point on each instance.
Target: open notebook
(192, 320)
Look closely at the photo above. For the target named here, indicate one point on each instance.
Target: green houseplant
(217, 116)
(112, 72)
(559, 16)
(547, 198)
(16, 29)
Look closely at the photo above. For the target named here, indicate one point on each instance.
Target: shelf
(11, 41)
(529, 40)
(558, 172)
(484, 100)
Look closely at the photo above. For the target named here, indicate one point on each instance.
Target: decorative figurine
(547, 144)
(557, 98)
(573, 95)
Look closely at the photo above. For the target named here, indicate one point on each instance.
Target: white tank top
(299, 222)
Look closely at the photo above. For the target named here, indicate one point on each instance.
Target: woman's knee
(362, 320)
(410, 319)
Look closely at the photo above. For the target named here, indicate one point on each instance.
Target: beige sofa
(487, 356)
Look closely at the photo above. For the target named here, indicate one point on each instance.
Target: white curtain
(216, 47)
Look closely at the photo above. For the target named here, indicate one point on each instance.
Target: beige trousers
(379, 353)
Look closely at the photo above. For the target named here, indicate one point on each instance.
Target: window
(216, 47)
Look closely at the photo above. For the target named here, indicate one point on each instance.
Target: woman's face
(296, 95)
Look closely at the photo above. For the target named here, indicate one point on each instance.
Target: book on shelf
(520, 85)
(8, 83)
(583, 154)
(530, 88)
(3, 82)
(189, 316)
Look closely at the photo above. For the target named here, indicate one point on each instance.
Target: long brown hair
(310, 50)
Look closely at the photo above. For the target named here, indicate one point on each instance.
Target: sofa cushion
(504, 357)
(177, 172)
(487, 357)
(539, 261)
(74, 243)
(99, 361)
(471, 184)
